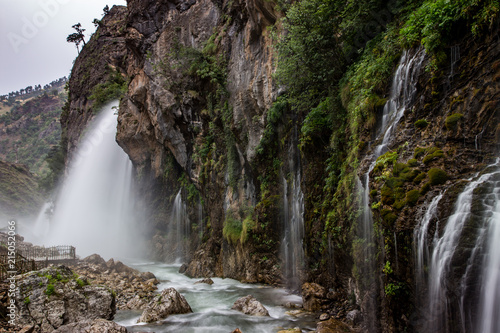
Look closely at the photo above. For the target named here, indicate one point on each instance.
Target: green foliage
(425, 188)
(387, 268)
(452, 121)
(238, 225)
(421, 124)
(433, 22)
(55, 160)
(419, 178)
(317, 123)
(412, 162)
(114, 88)
(27, 300)
(274, 117)
(81, 283)
(437, 176)
(50, 290)
(392, 289)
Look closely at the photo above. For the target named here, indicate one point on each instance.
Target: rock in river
(250, 306)
(167, 303)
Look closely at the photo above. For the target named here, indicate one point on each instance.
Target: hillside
(30, 128)
(19, 195)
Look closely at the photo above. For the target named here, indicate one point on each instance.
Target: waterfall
(465, 264)
(292, 247)
(421, 246)
(180, 227)
(94, 210)
(402, 94)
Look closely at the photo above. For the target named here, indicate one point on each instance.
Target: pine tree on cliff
(77, 37)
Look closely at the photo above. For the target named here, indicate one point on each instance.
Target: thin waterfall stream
(402, 95)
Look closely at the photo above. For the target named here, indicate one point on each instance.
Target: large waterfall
(403, 90)
(464, 276)
(94, 210)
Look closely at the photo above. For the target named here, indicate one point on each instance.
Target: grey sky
(33, 47)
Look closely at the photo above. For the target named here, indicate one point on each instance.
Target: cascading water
(95, 208)
(292, 246)
(403, 90)
(421, 246)
(180, 227)
(464, 272)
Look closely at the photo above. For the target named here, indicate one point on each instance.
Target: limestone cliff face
(104, 53)
(169, 108)
(200, 87)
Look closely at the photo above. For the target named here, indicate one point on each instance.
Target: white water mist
(94, 210)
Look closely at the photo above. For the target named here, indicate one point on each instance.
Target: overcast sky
(33, 47)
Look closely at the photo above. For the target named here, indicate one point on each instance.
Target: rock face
(53, 297)
(92, 326)
(133, 289)
(250, 306)
(167, 303)
(313, 296)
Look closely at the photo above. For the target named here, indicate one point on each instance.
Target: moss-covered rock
(437, 176)
(452, 120)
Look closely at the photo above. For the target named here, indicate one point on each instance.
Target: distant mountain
(30, 127)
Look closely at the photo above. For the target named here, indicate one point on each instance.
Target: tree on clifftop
(77, 37)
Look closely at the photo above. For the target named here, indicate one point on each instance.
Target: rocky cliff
(203, 115)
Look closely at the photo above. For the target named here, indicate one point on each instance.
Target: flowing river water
(211, 305)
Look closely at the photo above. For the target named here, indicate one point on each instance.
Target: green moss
(373, 193)
(399, 204)
(421, 124)
(388, 217)
(50, 290)
(410, 175)
(387, 195)
(432, 154)
(400, 168)
(425, 188)
(114, 88)
(452, 121)
(412, 197)
(419, 152)
(412, 162)
(419, 178)
(437, 176)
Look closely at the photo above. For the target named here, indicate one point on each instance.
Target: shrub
(452, 121)
(437, 176)
(421, 123)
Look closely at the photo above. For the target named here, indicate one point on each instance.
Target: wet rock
(291, 330)
(148, 276)
(92, 326)
(332, 326)
(324, 316)
(313, 296)
(161, 306)
(53, 297)
(354, 317)
(206, 281)
(27, 329)
(236, 331)
(183, 268)
(95, 259)
(250, 306)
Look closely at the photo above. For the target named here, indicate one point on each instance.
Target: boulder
(354, 317)
(324, 316)
(161, 306)
(291, 330)
(250, 306)
(95, 259)
(183, 268)
(92, 326)
(236, 331)
(332, 326)
(313, 296)
(54, 297)
(206, 281)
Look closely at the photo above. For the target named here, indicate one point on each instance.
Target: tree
(96, 22)
(77, 37)
(106, 10)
